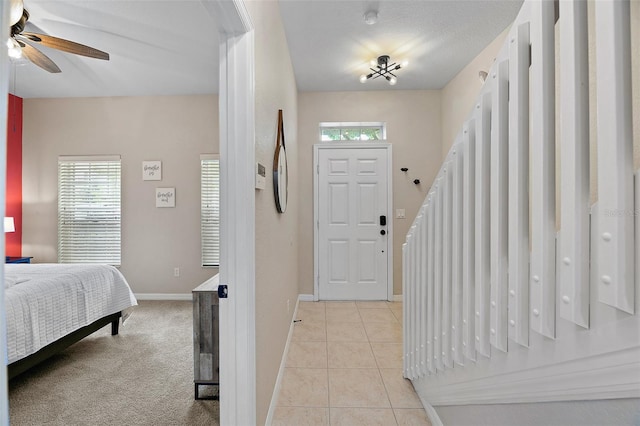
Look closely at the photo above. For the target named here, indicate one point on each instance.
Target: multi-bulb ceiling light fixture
(383, 67)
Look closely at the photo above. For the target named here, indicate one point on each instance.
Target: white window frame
(100, 239)
(210, 259)
(353, 125)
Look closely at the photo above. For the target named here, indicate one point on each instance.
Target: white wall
(413, 129)
(173, 129)
(276, 234)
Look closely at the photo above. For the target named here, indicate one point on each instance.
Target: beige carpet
(143, 376)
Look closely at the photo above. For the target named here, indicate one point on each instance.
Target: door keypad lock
(383, 222)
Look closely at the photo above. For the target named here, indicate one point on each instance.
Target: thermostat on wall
(261, 174)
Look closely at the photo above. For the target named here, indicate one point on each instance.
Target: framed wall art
(165, 197)
(152, 170)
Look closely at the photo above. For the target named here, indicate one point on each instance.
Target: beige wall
(276, 234)
(461, 92)
(413, 129)
(635, 87)
(175, 129)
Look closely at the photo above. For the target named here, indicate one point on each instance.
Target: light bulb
(14, 49)
(393, 81)
(404, 63)
(373, 62)
(16, 7)
(363, 78)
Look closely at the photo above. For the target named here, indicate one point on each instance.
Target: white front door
(353, 235)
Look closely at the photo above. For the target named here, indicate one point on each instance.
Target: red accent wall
(13, 240)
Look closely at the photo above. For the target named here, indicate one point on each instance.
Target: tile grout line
(386, 391)
(378, 367)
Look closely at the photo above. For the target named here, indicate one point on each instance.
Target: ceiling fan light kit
(383, 67)
(13, 49)
(22, 43)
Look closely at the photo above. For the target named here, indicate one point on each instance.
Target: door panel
(339, 261)
(338, 204)
(367, 203)
(352, 195)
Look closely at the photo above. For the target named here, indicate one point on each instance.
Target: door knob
(383, 232)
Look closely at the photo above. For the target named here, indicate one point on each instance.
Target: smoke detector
(371, 17)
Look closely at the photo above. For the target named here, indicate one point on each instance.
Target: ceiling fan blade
(39, 58)
(15, 11)
(66, 45)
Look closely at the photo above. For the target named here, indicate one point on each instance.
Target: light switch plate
(400, 214)
(261, 180)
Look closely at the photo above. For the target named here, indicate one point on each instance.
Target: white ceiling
(331, 45)
(170, 47)
(156, 47)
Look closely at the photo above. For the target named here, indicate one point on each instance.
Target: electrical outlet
(176, 272)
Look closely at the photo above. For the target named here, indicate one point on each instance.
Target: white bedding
(45, 302)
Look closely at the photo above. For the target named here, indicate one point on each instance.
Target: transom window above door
(353, 131)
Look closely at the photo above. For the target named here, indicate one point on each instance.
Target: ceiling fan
(22, 42)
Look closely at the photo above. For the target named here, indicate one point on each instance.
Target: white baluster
(414, 284)
(418, 291)
(518, 303)
(430, 281)
(499, 205)
(446, 266)
(615, 155)
(468, 242)
(482, 224)
(543, 205)
(456, 254)
(405, 307)
(437, 285)
(573, 241)
(423, 292)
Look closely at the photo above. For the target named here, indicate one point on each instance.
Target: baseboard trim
(164, 296)
(309, 298)
(283, 364)
(433, 416)
(305, 297)
(603, 376)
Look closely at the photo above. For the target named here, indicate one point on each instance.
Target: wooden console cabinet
(206, 339)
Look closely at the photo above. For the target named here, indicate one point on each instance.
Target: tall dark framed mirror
(280, 171)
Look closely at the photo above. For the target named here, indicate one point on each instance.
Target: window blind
(89, 211)
(210, 209)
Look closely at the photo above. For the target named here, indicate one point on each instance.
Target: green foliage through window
(351, 132)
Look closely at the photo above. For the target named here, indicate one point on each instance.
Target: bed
(51, 306)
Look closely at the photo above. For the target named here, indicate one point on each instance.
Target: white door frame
(4, 96)
(237, 263)
(316, 193)
(237, 214)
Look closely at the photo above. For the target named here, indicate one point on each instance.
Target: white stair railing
(485, 265)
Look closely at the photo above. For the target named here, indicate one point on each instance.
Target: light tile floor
(344, 367)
